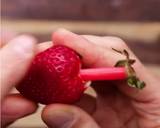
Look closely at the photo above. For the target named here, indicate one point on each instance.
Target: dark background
(121, 10)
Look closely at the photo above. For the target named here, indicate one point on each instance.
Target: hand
(116, 104)
(16, 56)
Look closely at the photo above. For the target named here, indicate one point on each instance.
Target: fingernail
(24, 43)
(60, 119)
(22, 47)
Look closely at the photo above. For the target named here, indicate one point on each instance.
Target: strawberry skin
(53, 77)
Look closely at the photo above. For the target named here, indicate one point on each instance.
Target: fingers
(95, 54)
(87, 103)
(108, 42)
(92, 55)
(79, 44)
(15, 107)
(60, 116)
(142, 73)
(16, 57)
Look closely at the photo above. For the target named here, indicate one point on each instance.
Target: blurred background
(135, 21)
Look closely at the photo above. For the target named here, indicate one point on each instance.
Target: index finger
(97, 56)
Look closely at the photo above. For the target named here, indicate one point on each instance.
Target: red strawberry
(53, 77)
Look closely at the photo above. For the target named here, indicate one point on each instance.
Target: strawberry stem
(113, 73)
(123, 70)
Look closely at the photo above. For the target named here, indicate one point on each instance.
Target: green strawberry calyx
(132, 79)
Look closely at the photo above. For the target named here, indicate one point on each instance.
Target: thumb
(15, 58)
(66, 116)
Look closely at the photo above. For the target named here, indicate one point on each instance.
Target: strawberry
(53, 77)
